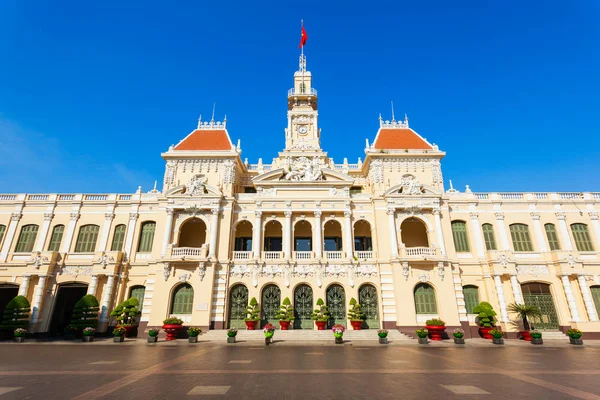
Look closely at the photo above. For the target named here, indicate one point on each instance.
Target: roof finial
(199, 121)
(212, 120)
(393, 117)
(406, 120)
(380, 120)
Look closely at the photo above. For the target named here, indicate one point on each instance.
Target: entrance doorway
(7, 293)
(367, 298)
(336, 304)
(68, 294)
(538, 294)
(303, 307)
(238, 303)
(271, 300)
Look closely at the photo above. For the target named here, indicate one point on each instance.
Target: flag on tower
(303, 38)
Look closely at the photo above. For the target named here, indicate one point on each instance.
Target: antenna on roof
(406, 119)
(213, 114)
(393, 118)
(380, 120)
(199, 121)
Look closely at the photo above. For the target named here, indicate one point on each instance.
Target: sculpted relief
(196, 185)
(302, 169)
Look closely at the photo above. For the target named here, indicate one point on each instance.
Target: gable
(206, 139)
(400, 138)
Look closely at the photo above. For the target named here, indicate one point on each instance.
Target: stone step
(304, 335)
(554, 335)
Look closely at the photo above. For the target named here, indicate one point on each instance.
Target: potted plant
(152, 335)
(16, 315)
(172, 326)
(485, 319)
(525, 311)
(536, 337)
(382, 333)
(252, 314)
(231, 334)
(119, 334)
(338, 333)
(125, 315)
(575, 336)
(459, 336)
(321, 315)
(436, 328)
(285, 314)
(193, 334)
(88, 334)
(20, 335)
(422, 335)
(269, 331)
(355, 315)
(497, 336)
(85, 314)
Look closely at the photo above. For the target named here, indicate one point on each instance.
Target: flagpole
(302, 59)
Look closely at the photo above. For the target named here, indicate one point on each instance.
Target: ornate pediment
(303, 174)
(196, 187)
(410, 186)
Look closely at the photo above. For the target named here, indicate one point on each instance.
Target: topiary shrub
(16, 314)
(85, 313)
(286, 311)
(253, 310)
(355, 313)
(126, 312)
(485, 314)
(321, 313)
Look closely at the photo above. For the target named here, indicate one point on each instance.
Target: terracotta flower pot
(321, 325)
(284, 325)
(435, 332)
(526, 335)
(131, 330)
(250, 325)
(485, 332)
(356, 325)
(172, 331)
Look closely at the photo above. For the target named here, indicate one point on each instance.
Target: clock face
(302, 130)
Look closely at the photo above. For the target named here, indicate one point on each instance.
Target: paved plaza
(249, 370)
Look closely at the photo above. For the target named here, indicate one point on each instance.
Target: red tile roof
(205, 139)
(404, 138)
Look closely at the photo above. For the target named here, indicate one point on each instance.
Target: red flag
(303, 38)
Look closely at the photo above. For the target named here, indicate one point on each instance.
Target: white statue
(196, 186)
(410, 185)
(305, 170)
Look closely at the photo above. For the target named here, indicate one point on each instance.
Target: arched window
(147, 237)
(2, 230)
(183, 299)
(459, 233)
(582, 237)
(26, 239)
(596, 296)
(488, 236)
(552, 237)
(86, 240)
(138, 292)
(520, 237)
(118, 238)
(471, 293)
(56, 238)
(425, 299)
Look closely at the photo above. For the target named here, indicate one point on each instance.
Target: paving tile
(240, 361)
(524, 362)
(313, 354)
(208, 390)
(257, 348)
(399, 362)
(464, 389)
(7, 389)
(104, 362)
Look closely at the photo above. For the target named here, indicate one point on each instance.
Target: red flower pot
(526, 335)
(172, 330)
(356, 325)
(485, 332)
(250, 325)
(284, 325)
(131, 330)
(435, 332)
(321, 325)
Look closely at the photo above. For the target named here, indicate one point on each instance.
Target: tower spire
(393, 117)
(212, 119)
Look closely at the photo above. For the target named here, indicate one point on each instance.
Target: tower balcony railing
(334, 255)
(303, 255)
(242, 255)
(304, 92)
(419, 251)
(190, 251)
(364, 255)
(272, 255)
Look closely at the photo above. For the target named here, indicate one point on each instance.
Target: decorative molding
(561, 216)
(48, 216)
(366, 270)
(105, 259)
(535, 216)
(197, 185)
(133, 216)
(303, 169)
(167, 271)
(593, 216)
(76, 270)
(441, 272)
(405, 270)
(499, 216)
(184, 277)
(533, 270)
(424, 277)
(37, 260)
(503, 260)
(335, 271)
(474, 215)
(570, 259)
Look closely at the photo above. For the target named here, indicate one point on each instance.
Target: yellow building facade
(382, 230)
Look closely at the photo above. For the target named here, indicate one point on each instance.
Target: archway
(367, 298)
(7, 293)
(414, 233)
(243, 236)
(425, 302)
(182, 300)
(336, 304)
(362, 237)
(192, 233)
(238, 302)
(67, 295)
(303, 307)
(302, 236)
(271, 301)
(538, 294)
(332, 236)
(273, 236)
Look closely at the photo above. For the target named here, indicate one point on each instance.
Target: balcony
(363, 255)
(272, 255)
(242, 255)
(333, 255)
(419, 251)
(195, 252)
(303, 255)
(305, 92)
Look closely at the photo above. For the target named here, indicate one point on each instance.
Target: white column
(41, 239)
(587, 298)
(106, 298)
(93, 285)
(501, 298)
(108, 218)
(37, 299)
(564, 231)
(66, 244)
(516, 287)
(318, 245)
(596, 228)
(478, 235)
(24, 287)
(287, 234)
(537, 227)
(256, 234)
(501, 228)
(570, 298)
(349, 242)
(392, 227)
(438, 229)
(133, 216)
(10, 234)
(168, 229)
(214, 232)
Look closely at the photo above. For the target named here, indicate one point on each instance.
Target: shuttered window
(183, 299)
(118, 238)
(56, 238)
(583, 242)
(471, 293)
(86, 240)
(26, 239)
(596, 296)
(520, 237)
(147, 237)
(552, 237)
(425, 299)
(138, 292)
(488, 236)
(2, 230)
(459, 233)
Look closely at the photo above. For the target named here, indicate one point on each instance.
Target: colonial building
(382, 230)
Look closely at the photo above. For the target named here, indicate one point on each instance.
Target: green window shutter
(138, 292)
(552, 237)
(183, 299)
(583, 242)
(471, 297)
(425, 299)
(118, 238)
(459, 233)
(56, 238)
(2, 231)
(488, 236)
(146, 237)
(86, 240)
(596, 296)
(26, 239)
(520, 237)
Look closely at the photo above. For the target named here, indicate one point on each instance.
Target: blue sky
(91, 94)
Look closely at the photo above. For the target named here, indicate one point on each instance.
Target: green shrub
(85, 313)
(422, 333)
(173, 321)
(435, 322)
(485, 314)
(153, 332)
(120, 331)
(286, 311)
(193, 332)
(496, 333)
(126, 312)
(536, 334)
(355, 313)
(253, 310)
(574, 333)
(321, 313)
(16, 314)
